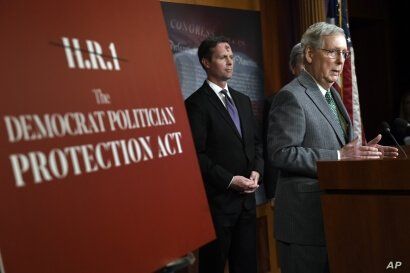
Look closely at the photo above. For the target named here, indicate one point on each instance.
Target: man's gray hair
(313, 36)
(296, 55)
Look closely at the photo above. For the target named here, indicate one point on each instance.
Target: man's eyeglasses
(334, 53)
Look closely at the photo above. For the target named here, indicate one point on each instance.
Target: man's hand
(245, 185)
(387, 151)
(255, 178)
(353, 150)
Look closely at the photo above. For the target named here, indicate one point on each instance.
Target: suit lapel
(312, 90)
(216, 102)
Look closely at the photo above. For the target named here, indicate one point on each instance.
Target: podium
(366, 206)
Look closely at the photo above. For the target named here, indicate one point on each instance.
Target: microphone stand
(386, 128)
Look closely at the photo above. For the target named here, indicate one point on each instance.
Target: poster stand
(178, 264)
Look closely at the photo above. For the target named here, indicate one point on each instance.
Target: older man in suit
(271, 174)
(230, 157)
(308, 123)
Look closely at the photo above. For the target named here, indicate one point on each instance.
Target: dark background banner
(188, 25)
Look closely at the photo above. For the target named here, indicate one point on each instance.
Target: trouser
(294, 258)
(235, 243)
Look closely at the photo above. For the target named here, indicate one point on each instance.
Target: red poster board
(98, 168)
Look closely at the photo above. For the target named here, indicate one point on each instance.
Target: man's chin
(332, 80)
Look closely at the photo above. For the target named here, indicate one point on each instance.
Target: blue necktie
(233, 112)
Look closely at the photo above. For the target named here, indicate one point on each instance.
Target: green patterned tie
(332, 104)
(333, 108)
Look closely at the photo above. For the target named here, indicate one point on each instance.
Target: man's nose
(340, 58)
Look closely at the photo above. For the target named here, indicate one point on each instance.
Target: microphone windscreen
(401, 126)
(385, 127)
(402, 123)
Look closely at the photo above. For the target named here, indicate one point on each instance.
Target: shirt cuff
(338, 155)
(230, 183)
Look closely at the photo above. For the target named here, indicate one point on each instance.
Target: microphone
(401, 125)
(386, 129)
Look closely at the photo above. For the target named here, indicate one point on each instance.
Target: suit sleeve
(271, 173)
(259, 162)
(211, 172)
(287, 126)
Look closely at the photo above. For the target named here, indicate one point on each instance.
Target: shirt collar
(217, 89)
(322, 90)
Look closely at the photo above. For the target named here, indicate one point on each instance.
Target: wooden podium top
(363, 208)
(387, 174)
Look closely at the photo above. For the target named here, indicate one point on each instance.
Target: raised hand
(353, 150)
(387, 151)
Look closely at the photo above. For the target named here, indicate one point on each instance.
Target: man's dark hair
(205, 49)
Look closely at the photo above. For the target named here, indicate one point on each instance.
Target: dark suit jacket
(222, 153)
(271, 174)
(302, 131)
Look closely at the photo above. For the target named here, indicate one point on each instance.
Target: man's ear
(205, 62)
(309, 54)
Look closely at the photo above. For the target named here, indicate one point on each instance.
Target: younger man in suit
(230, 157)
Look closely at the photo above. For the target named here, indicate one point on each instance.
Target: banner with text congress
(98, 168)
(188, 25)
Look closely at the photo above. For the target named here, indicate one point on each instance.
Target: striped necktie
(233, 112)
